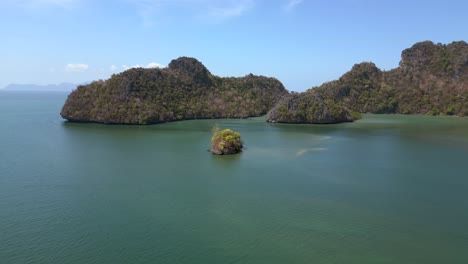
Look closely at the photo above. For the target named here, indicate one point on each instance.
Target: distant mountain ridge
(66, 87)
(431, 79)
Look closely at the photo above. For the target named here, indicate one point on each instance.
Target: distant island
(184, 90)
(62, 87)
(431, 79)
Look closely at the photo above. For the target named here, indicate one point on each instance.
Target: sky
(303, 43)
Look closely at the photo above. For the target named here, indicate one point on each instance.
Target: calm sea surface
(386, 189)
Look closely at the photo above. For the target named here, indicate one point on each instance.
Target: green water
(386, 189)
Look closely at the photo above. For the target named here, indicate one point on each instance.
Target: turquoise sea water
(385, 189)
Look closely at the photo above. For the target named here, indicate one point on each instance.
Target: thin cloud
(148, 66)
(53, 2)
(154, 65)
(76, 67)
(148, 10)
(292, 4)
(39, 3)
(236, 8)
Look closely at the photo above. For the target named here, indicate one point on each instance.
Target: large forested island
(183, 90)
(431, 79)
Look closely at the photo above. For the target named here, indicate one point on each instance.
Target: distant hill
(65, 87)
(431, 79)
(184, 90)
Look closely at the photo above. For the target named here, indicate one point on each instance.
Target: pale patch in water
(303, 151)
(323, 137)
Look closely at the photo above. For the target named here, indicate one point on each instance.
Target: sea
(384, 189)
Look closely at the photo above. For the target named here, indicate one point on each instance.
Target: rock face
(431, 79)
(184, 90)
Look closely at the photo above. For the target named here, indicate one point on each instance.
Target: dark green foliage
(431, 79)
(361, 90)
(225, 142)
(308, 107)
(184, 90)
(355, 115)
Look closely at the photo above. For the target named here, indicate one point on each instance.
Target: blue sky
(302, 43)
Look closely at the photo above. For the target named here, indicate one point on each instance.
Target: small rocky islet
(226, 142)
(431, 79)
